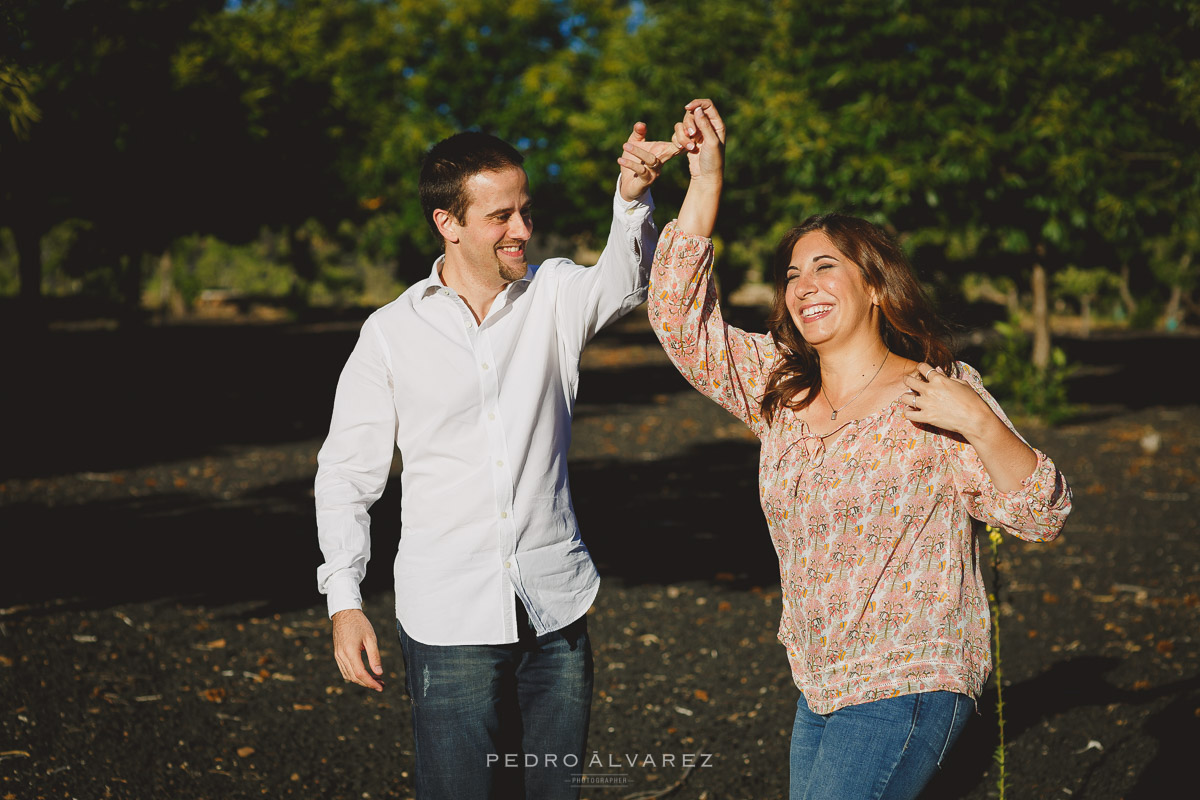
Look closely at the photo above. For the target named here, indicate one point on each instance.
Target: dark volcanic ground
(161, 635)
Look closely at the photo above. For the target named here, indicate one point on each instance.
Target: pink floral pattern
(882, 591)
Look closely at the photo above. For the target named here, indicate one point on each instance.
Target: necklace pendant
(833, 416)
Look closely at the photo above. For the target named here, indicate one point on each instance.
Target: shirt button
(508, 565)
(485, 366)
(499, 463)
(491, 416)
(503, 515)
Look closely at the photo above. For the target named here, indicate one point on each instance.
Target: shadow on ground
(680, 519)
(1066, 686)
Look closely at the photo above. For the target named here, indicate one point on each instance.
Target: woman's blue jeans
(882, 750)
(500, 721)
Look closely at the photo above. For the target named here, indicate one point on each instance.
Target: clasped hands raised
(701, 134)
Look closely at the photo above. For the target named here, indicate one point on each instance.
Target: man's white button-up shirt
(481, 414)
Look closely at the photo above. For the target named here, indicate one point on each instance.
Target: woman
(877, 449)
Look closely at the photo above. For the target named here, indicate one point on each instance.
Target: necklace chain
(833, 416)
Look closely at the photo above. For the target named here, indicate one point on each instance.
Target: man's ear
(446, 224)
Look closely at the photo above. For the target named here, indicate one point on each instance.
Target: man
(472, 372)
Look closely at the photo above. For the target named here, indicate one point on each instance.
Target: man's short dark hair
(451, 162)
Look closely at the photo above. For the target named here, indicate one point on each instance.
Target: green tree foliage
(376, 84)
(105, 148)
(1011, 137)
(1016, 135)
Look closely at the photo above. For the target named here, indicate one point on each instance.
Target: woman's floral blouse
(882, 593)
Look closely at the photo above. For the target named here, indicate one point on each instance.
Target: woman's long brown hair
(908, 324)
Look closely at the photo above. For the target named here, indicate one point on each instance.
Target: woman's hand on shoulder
(952, 404)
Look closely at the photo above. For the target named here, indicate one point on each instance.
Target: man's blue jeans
(500, 721)
(882, 750)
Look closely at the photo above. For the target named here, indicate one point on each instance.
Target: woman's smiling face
(826, 294)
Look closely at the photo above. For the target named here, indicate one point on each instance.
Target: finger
(682, 138)
(689, 125)
(634, 165)
(705, 106)
(364, 678)
(924, 370)
(705, 125)
(647, 157)
(638, 134)
(373, 659)
(718, 123)
(920, 413)
(664, 151)
(914, 382)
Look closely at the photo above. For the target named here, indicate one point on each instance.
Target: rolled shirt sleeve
(1036, 511)
(353, 467)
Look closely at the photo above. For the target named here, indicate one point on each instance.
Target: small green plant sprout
(994, 539)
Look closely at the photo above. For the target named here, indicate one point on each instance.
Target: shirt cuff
(343, 594)
(632, 210)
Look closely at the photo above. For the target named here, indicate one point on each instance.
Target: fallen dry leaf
(215, 695)
(245, 752)
(701, 695)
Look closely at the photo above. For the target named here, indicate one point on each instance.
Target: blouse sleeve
(1035, 512)
(725, 363)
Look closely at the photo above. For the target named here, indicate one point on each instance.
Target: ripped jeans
(881, 750)
(500, 721)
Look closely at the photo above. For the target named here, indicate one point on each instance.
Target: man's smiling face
(497, 223)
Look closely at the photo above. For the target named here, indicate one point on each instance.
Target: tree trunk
(1171, 317)
(1085, 313)
(170, 304)
(28, 240)
(131, 288)
(29, 262)
(304, 266)
(1174, 314)
(1126, 295)
(1041, 319)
